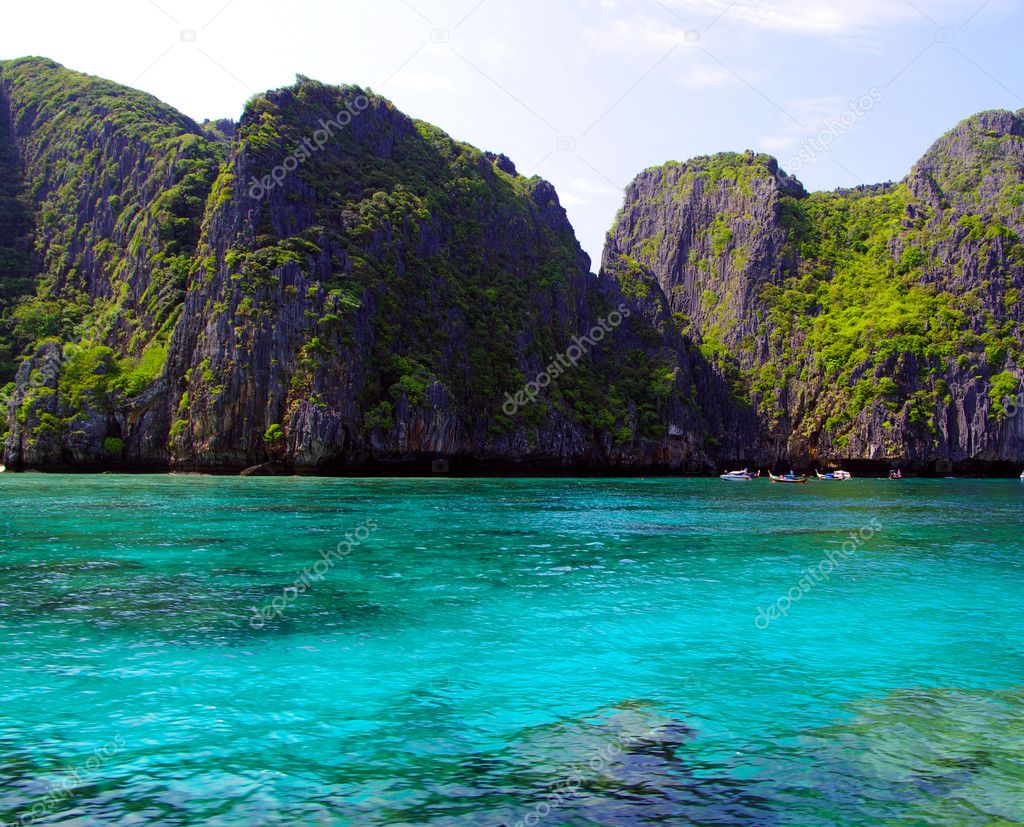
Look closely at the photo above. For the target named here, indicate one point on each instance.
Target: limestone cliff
(333, 286)
(882, 323)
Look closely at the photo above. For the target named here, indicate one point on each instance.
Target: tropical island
(329, 286)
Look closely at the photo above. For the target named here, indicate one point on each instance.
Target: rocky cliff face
(15, 239)
(879, 324)
(350, 288)
(711, 233)
(332, 286)
(334, 321)
(111, 187)
(373, 292)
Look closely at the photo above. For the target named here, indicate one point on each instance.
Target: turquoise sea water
(557, 652)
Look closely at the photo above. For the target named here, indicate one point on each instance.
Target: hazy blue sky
(583, 92)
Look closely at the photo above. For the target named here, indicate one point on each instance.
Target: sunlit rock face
(331, 286)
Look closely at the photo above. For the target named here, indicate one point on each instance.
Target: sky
(585, 93)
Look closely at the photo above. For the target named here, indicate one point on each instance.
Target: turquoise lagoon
(557, 652)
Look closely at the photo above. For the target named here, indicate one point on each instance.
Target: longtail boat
(794, 479)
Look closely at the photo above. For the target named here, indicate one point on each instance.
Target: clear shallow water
(494, 640)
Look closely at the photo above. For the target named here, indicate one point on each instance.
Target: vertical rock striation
(330, 285)
(879, 324)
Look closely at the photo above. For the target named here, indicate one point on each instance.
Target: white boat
(835, 475)
(1022, 476)
(736, 476)
(4, 468)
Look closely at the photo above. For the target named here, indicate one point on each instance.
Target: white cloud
(591, 186)
(706, 77)
(636, 36)
(828, 18)
(825, 121)
(801, 16)
(847, 20)
(494, 53)
(811, 113)
(579, 191)
(419, 81)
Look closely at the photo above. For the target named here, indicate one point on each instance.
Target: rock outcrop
(881, 324)
(331, 286)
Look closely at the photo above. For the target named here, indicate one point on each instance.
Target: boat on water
(896, 474)
(835, 475)
(738, 476)
(794, 479)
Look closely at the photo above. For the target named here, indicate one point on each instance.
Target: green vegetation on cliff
(873, 299)
(472, 271)
(112, 197)
(879, 307)
(382, 293)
